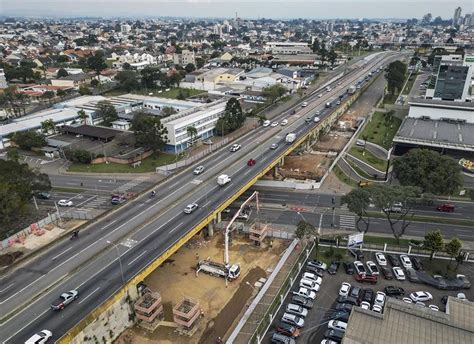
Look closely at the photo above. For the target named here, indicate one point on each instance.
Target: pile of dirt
(219, 326)
(9, 258)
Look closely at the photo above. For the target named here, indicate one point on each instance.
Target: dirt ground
(333, 142)
(221, 305)
(307, 166)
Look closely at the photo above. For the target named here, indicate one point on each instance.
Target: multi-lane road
(143, 229)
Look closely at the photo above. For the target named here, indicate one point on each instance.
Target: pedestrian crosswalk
(347, 221)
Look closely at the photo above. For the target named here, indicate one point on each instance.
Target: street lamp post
(120, 259)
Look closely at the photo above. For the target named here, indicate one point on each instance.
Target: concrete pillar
(275, 171)
(219, 217)
(282, 161)
(210, 228)
(409, 249)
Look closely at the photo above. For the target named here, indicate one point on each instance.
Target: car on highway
(287, 330)
(190, 208)
(405, 260)
(394, 208)
(251, 162)
(302, 301)
(266, 123)
(305, 292)
(278, 338)
(394, 291)
(345, 288)
(380, 298)
(235, 147)
(372, 267)
(274, 146)
(308, 120)
(380, 258)
(359, 267)
(64, 299)
(40, 337)
(398, 273)
(304, 104)
(421, 296)
(337, 325)
(448, 208)
(65, 203)
(44, 195)
(275, 124)
(349, 267)
(284, 122)
(198, 170)
(316, 119)
(386, 272)
(118, 200)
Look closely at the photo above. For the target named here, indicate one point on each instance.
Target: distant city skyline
(306, 9)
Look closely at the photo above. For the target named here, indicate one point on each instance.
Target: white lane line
(247, 172)
(164, 224)
(6, 288)
(137, 257)
(21, 329)
(175, 228)
(54, 258)
(172, 186)
(110, 224)
(36, 280)
(203, 206)
(85, 298)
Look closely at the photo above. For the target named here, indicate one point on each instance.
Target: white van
(309, 284)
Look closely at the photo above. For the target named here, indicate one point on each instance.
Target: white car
(275, 124)
(306, 293)
(337, 325)
(421, 296)
(309, 284)
(360, 142)
(380, 258)
(313, 277)
(398, 273)
(235, 147)
(320, 95)
(365, 305)
(407, 300)
(40, 337)
(65, 203)
(284, 122)
(316, 119)
(207, 142)
(305, 104)
(266, 123)
(405, 260)
(359, 267)
(377, 309)
(296, 310)
(198, 170)
(373, 269)
(345, 288)
(380, 298)
(328, 341)
(190, 208)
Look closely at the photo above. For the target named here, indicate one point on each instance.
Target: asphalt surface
(150, 225)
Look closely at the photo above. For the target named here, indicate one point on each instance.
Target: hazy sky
(244, 8)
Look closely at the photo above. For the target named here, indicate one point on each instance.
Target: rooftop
(442, 103)
(411, 324)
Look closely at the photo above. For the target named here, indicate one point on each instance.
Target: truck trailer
(231, 272)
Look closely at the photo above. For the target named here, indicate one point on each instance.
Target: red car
(251, 162)
(446, 208)
(365, 278)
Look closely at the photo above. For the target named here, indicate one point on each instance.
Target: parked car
(207, 142)
(287, 330)
(333, 268)
(292, 320)
(346, 307)
(65, 203)
(368, 295)
(358, 254)
(434, 308)
(405, 260)
(349, 267)
(412, 275)
(347, 299)
(314, 270)
(337, 325)
(466, 284)
(398, 273)
(40, 337)
(190, 208)
(366, 279)
(339, 315)
(393, 260)
(118, 200)
(421, 296)
(359, 267)
(377, 308)
(380, 298)
(302, 301)
(386, 273)
(372, 267)
(365, 305)
(449, 208)
(278, 338)
(380, 258)
(394, 291)
(334, 335)
(296, 310)
(235, 147)
(313, 277)
(355, 292)
(304, 292)
(198, 170)
(309, 284)
(416, 262)
(317, 264)
(345, 289)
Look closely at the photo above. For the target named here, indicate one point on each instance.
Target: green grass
(369, 158)
(328, 254)
(385, 240)
(343, 178)
(64, 189)
(409, 84)
(147, 165)
(376, 131)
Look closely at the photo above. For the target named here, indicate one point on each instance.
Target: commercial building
(411, 324)
(288, 48)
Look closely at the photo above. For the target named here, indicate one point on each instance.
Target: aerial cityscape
(201, 172)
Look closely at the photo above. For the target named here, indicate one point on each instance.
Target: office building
(457, 15)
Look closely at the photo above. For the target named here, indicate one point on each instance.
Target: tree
(200, 62)
(305, 229)
(62, 73)
(385, 197)
(150, 75)
(432, 172)
(395, 76)
(13, 154)
(232, 119)
(167, 111)
(27, 140)
(95, 82)
(107, 112)
(84, 90)
(127, 80)
(332, 56)
(127, 66)
(62, 59)
(149, 132)
(48, 95)
(96, 62)
(61, 93)
(80, 155)
(315, 46)
(275, 92)
(81, 114)
(433, 242)
(192, 132)
(190, 68)
(358, 201)
(261, 118)
(47, 126)
(453, 248)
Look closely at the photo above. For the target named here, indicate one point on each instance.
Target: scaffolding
(149, 310)
(258, 232)
(187, 314)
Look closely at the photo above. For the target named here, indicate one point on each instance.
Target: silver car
(198, 170)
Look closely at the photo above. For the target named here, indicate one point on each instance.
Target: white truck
(231, 272)
(290, 138)
(352, 89)
(223, 179)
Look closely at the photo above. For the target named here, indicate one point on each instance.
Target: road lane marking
(54, 258)
(110, 224)
(21, 329)
(137, 257)
(36, 280)
(6, 288)
(85, 298)
(175, 228)
(164, 224)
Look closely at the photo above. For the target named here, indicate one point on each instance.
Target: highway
(143, 230)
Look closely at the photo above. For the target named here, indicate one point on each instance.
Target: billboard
(355, 239)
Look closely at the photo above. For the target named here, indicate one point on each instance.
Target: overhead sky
(245, 8)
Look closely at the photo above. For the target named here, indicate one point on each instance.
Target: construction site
(184, 301)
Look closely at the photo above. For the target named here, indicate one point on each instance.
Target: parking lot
(318, 317)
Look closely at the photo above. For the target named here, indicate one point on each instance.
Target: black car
(417, 264)
(355, 292)
(393, 260)
(394, 291)
(349, 267)
(314, 270)
(333, 268)
(278, 338)
(345, 307)
(342, 316)
(386, 272)
(44, 195)
(347, 299)
(334, 335)
(368, 295)
(302, 301)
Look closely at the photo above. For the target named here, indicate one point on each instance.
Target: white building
(3, 80)
(287, 48)
(125, 28)
(184, 58)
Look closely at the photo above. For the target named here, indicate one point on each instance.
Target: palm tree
(81, 114)
(192, 132)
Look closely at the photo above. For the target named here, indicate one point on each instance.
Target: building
(287, 48)
(3, 80)
(72, 80)
(125, 28)
(406, 323)
(184, 58)
(457, 15)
